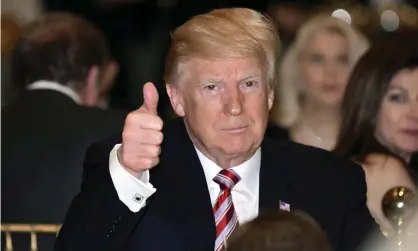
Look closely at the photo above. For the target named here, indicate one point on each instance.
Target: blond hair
(223, 34)
(287, 92)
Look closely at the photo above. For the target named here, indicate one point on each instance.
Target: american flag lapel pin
(284, 206)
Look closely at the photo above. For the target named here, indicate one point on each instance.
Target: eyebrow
(247, 77)
(215, 81)
(255, 75)
(397, 87)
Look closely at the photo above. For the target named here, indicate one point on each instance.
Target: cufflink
(138, 198)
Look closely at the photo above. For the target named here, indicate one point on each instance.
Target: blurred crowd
(72, 73)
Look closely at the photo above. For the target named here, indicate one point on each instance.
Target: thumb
(150, 98)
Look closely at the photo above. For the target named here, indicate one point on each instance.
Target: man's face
(225, 104)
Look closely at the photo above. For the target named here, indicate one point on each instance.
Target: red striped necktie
(225, 216)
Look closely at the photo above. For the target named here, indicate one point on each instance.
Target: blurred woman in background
(380, 119)
(312, 80)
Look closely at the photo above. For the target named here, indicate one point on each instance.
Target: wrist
(119, 154)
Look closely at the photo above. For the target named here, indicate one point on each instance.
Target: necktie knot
(227, 179)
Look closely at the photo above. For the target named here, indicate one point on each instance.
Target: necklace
(306, 134)
(312, 137)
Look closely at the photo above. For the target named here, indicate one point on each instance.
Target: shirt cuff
(132, 191)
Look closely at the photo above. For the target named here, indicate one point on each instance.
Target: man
(187, 187)
(59, 63)
(137, 35)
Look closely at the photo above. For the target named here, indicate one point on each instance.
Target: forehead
(407, 79)
(226, 68)
(326, 40)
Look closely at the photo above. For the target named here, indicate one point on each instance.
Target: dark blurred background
(138, 30)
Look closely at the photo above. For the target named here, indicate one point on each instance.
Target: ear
(90, 94)
(270, 97)
(176, 99)
(110, 73)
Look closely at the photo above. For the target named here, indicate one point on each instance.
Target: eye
(343, 59)
(250, 86)
(210, 87)
(397, 97)
(213, 89)
(250, 83)
(316, 58)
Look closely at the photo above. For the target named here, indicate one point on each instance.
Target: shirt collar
(247, 170)
(50, 85)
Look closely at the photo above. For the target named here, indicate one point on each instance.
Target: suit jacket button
(116, 221)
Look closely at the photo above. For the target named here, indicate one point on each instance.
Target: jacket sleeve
(97, 219)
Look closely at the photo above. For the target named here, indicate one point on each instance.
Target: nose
(413, 112)
(233, 101)
(331, 73)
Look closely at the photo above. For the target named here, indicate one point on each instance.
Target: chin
(327, 101)
(235, 148)
(409, 148)
(332, 102)
(232, 149)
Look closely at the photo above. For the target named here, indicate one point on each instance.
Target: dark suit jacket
(45, 136)
(179, 215)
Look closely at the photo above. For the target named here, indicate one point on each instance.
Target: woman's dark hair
(367, 87)
(279, 230)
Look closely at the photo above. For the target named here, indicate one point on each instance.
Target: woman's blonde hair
(223, 34)
(287, 104)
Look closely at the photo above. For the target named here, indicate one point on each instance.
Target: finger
(137, 119)
(147, 163)
(141, 136)
(152, 137)
(150, 99)
(139, 164)
(147, 151)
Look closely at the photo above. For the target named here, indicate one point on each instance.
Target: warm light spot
(389, 20)
(343, 15)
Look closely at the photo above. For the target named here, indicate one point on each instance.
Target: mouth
(411, 132)
(235, 130)
(330, 88)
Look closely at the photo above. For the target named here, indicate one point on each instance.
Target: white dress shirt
(50, 85)
(134, 191)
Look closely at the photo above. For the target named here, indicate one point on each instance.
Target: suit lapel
(275, 177)
(193, 204)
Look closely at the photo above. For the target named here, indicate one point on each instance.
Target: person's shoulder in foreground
(277, 230)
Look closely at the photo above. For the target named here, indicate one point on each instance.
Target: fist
(142, 136)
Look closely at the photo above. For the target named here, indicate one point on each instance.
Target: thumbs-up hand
(142, 136)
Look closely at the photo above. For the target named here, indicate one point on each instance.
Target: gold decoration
(398, 206)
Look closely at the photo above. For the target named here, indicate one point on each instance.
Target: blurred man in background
(61, 66)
